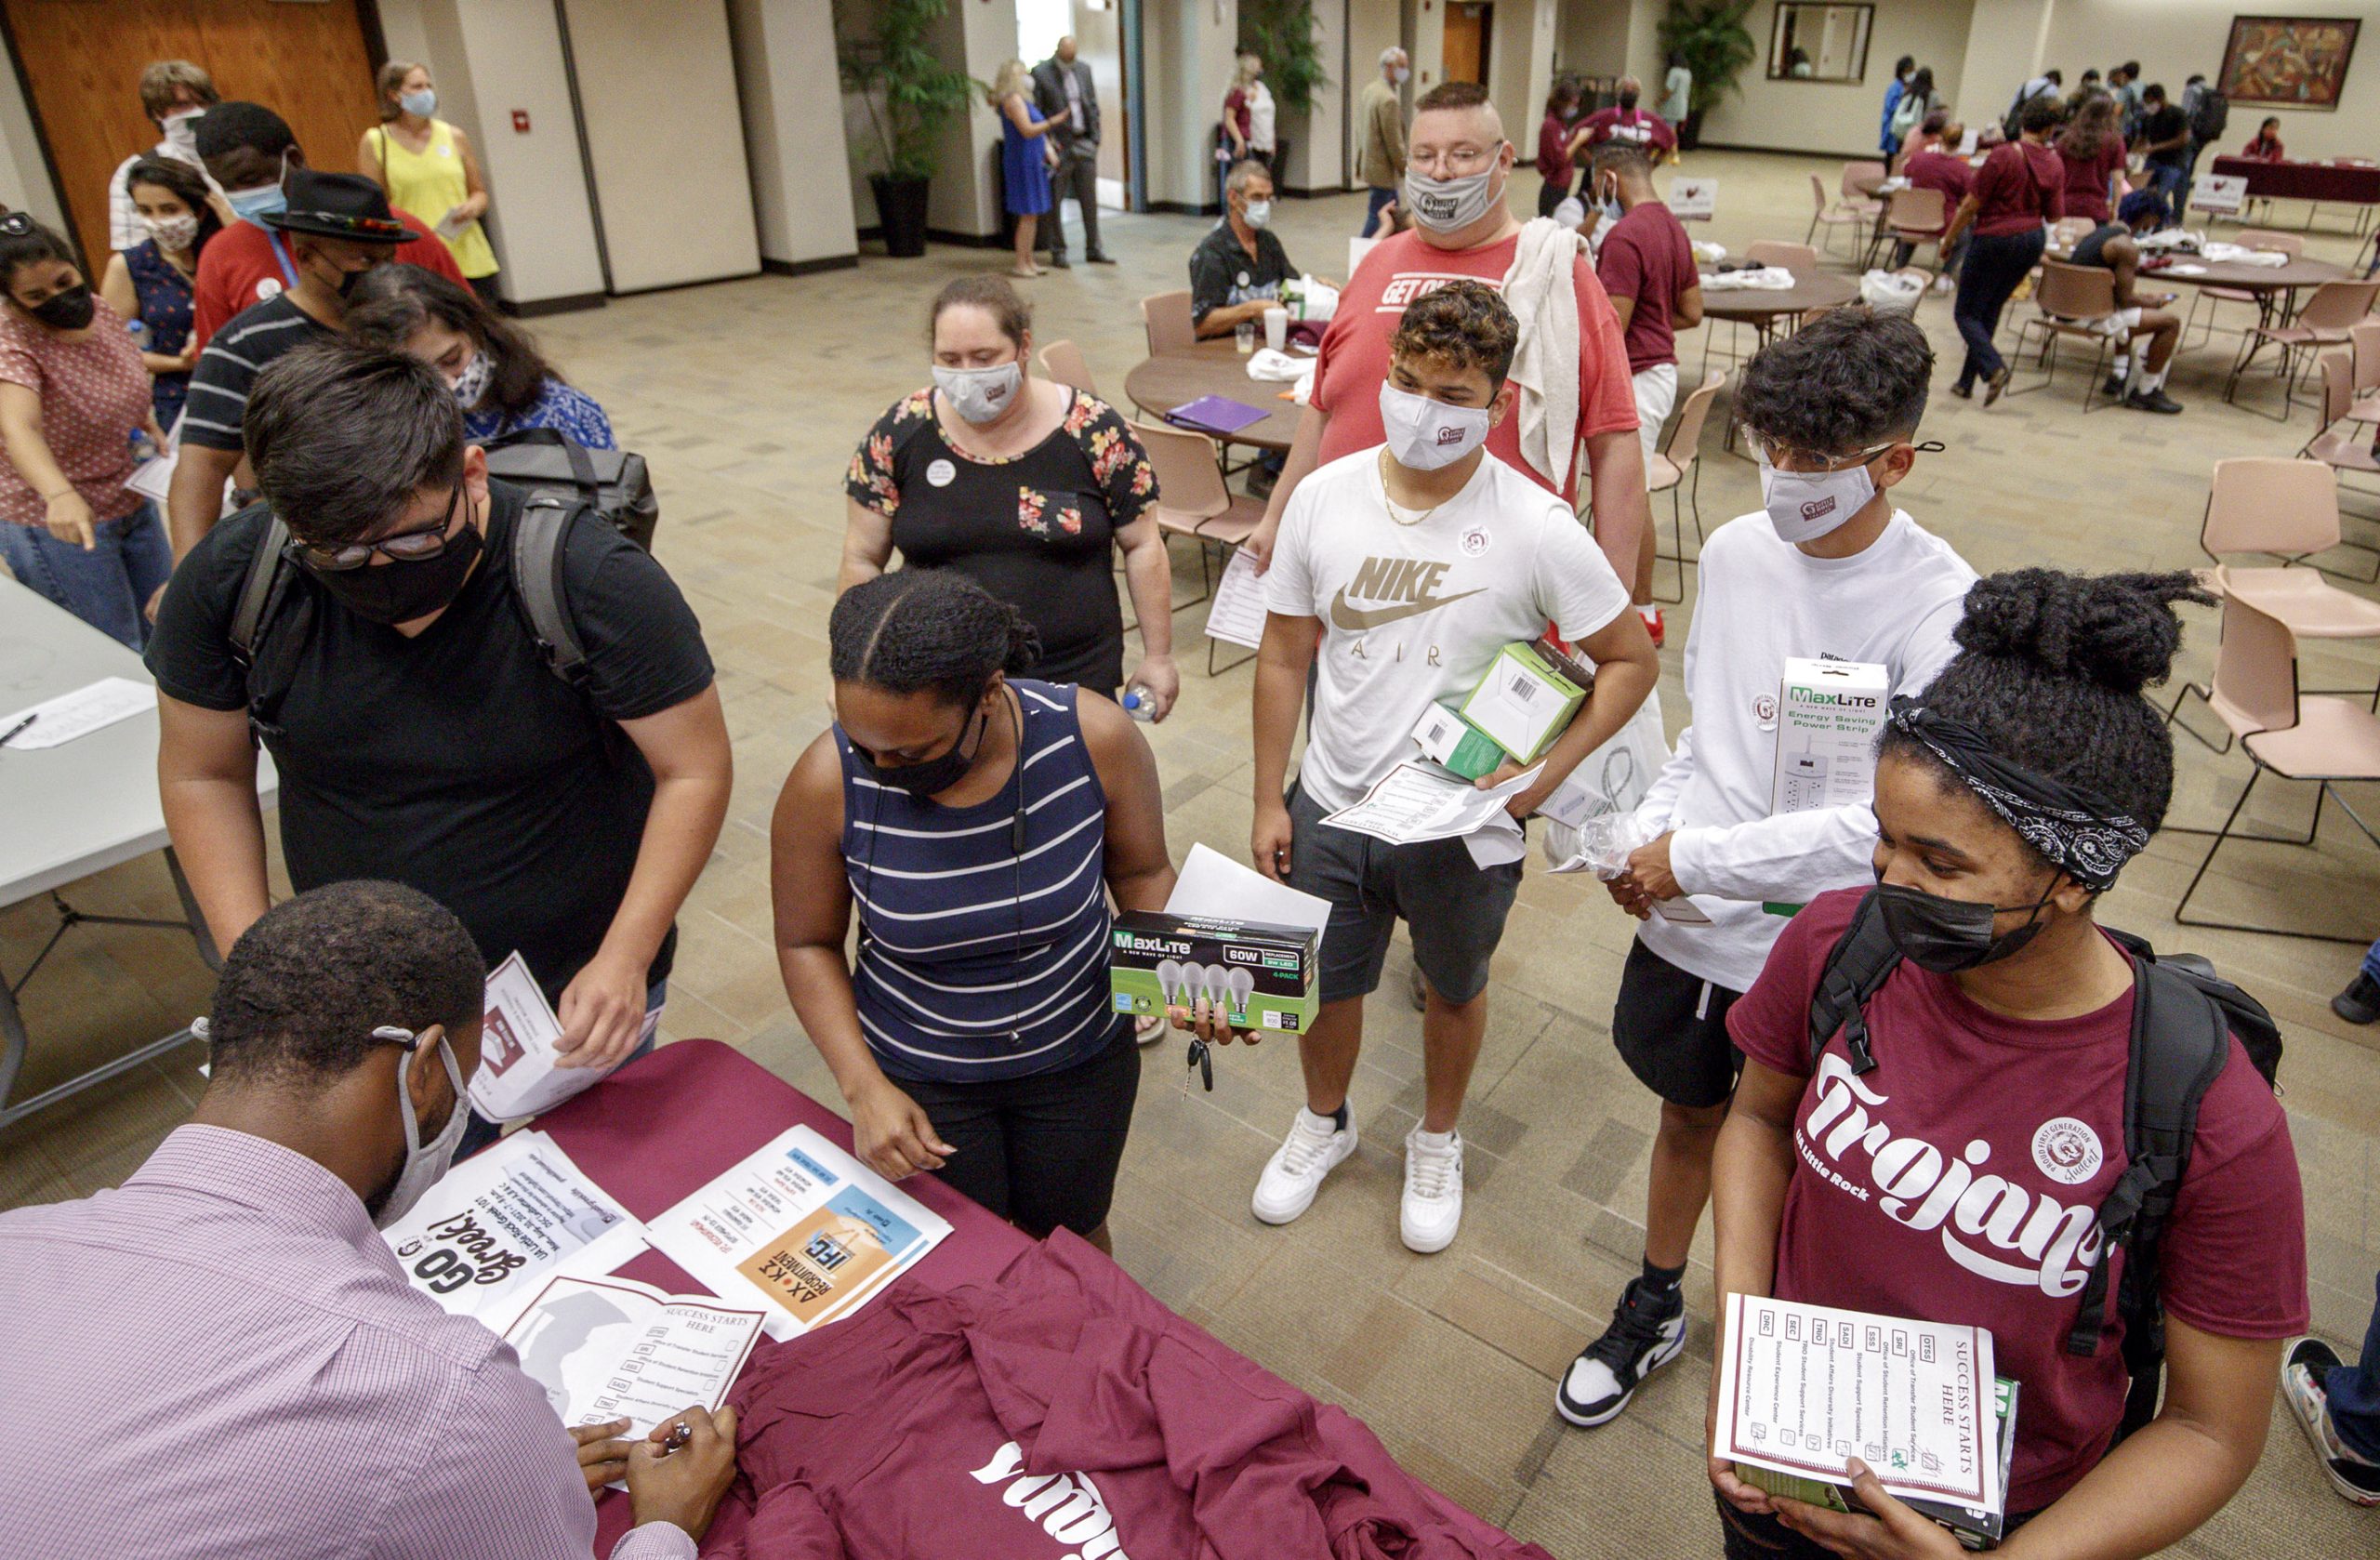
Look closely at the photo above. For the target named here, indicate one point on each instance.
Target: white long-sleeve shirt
(1759, 601)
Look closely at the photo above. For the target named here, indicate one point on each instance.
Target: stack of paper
(1417, 801)
(518, 1075)
(488, 1234)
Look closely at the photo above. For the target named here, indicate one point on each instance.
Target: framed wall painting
(2289, 62)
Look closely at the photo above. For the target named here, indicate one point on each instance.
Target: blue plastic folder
(1216, 414)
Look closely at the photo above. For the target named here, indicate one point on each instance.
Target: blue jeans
(1380, 196)
(1995, 264)
(2372, 961)
(2168, 179)
(106, 586)
(2353, 1390)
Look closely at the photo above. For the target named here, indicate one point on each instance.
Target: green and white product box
(1523, 703)
(1448, 739)
(1263, 975)
(1828, 714)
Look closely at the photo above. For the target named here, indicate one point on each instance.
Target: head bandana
(2079, 832)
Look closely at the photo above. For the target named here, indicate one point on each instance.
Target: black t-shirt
(227, 369)
(1221, 273)
(1037, 530)
(2091, 249)
(2164, 124)
(456, 760)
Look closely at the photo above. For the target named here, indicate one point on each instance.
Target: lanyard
(288, 269)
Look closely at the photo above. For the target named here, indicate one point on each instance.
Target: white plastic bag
(1892, 291)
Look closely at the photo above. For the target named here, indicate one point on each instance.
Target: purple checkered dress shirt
(222, 1359)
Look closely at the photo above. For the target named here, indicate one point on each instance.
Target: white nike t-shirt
(1412, 615)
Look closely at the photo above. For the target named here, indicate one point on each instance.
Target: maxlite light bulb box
(1828, 714)
(1263, 975)
(1522, 701)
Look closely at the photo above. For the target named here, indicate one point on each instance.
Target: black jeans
(1550, 195)
(1040, 1151)
(1995, 265)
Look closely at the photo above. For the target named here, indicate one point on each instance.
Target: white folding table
(76, 809)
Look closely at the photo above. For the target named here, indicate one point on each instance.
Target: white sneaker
(1314, 1148)
(1432, 1207)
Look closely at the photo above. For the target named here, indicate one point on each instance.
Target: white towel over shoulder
(1543, 293)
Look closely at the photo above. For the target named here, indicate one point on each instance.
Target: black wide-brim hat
(343, 205)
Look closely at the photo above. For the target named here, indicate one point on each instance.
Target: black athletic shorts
(1040, 1151)
(1672, 1030)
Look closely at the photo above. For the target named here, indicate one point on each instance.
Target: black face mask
(1947, 936)
(400, 590)
(1628, 99)
(932, 777)
(70, 310)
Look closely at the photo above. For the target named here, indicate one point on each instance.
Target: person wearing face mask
(333, 228)
(977, 822)
(1830, 567)
(233, 1303)
(420, 732)
(250, 153)
(1950, 1157)
(1381, 165)
(500, 380)
(1236, 272)
(71, 392)
(150, 283)
(174, 94)
(1623, 122)
(1553, 146)
(1573, 386)
(1402, 571)
(1026, 486)
(427, 168)
(2018, 193)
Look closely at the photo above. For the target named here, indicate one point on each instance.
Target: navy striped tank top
(976, 961)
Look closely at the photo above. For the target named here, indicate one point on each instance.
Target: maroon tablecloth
(2303, 182)
(658, 1128)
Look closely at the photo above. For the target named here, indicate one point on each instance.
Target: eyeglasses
(17, 224)
(1777, 454)
(1454, 162)
(402, 547)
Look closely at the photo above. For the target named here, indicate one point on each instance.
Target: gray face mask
(980, 394)
(1446, 205)
(425, 1163)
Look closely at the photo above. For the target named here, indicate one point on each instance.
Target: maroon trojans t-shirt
(1959, 1181)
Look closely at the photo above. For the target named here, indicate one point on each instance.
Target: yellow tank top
(429, 184)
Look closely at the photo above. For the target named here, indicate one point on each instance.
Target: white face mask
(425, 1163)
(472, 383)
(1257, 213)
(1398, 74)
(980, 394)
(1446, 205)
(172, 232)
(1804, 505)
(181, 129)
(1424, 434)
(421, 104)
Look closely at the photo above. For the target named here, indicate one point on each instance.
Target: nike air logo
(1354, 620)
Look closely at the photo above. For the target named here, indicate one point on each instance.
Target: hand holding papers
(1236, 613)
(1415, 801)
(518, 1075)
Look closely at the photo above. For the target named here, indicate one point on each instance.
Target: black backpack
(537, 556)
(614, 484)
(2183, 1014)
(2209, 115)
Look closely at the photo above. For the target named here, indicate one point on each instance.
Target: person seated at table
(1026, 486)
(420, 733)
(499, 379)
(1939, 168)
(2138, 375)
(1236, 270)
(2266, 146)
(977, 820)
(1622, 122)
(1931, 135)
(2092, 149)
(2009, 797)
(229, 1355)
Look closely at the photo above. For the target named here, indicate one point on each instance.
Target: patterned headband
(2078, 831)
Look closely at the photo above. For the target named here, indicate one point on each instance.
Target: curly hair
(2092, 125)
(1848, 380)
(927, 629)
(1466, 324)
(2050, 669)
(306, 985)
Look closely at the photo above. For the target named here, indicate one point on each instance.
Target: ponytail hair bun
(927, 629)
(2117, 630)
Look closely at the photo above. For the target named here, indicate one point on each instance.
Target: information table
(1217, 367)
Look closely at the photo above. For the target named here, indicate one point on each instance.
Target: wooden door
(83, 60)
(1463, 56)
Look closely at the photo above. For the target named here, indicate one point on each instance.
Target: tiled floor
(747, 398)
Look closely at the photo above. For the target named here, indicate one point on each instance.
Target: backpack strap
(538, 541)
(257, 588)
(264, 590)
(1863, 958)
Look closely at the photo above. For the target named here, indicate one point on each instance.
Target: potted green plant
(1281, 34)
(910, 95)
(1709, 35)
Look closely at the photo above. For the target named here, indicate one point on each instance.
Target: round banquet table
(2275, 286)
(1759, 306)
(1169, 380)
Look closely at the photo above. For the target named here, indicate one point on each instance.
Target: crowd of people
(946, 859)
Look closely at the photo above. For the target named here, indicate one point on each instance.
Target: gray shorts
(1454, 909)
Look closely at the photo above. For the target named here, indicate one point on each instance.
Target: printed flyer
(488, 1234)
(611, 1348)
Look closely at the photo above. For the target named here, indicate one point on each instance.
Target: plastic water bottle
(140, 329)
(1139, 704)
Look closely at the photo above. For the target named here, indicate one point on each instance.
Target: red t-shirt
(1641, 126)
(1959, 1181)
(238, 268)
(1353, 360)
(2264, 151)
(2022, 185)
(1647, 256)
(2086, 182)
(1936, 169)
